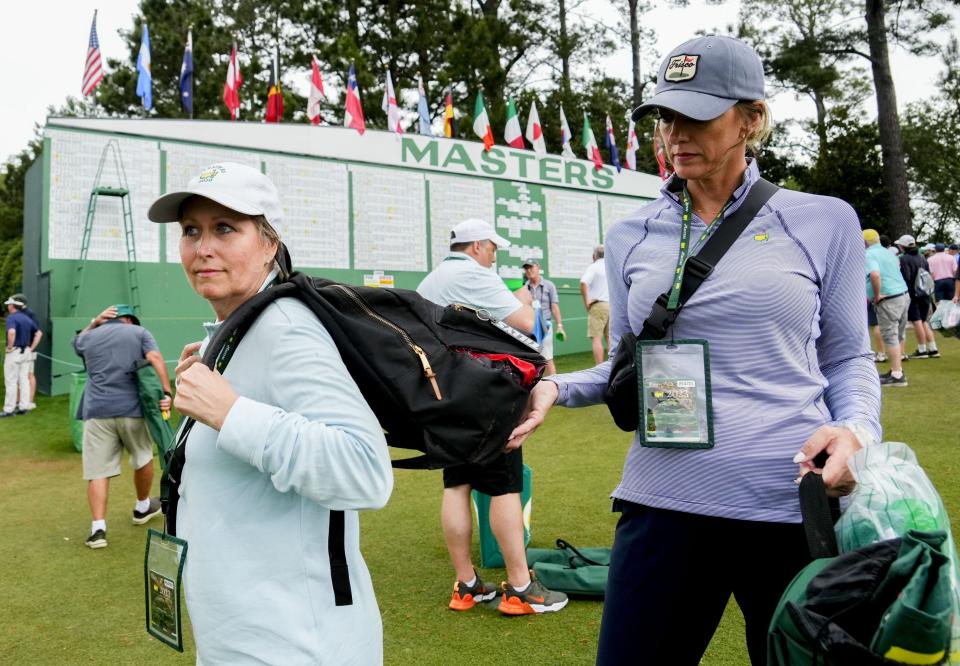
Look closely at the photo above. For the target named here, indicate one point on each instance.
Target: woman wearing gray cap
(282, 439)
(708, 502)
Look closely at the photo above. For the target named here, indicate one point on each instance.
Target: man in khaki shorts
(596, 299)
(111, 345)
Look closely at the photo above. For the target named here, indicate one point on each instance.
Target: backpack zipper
(414, 347)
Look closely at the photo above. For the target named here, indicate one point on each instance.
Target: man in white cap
(464, 276)
(22, 338)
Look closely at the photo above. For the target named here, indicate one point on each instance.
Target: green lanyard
(686, 224)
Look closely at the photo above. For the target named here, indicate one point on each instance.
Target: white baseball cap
(906, 240)
(13, 301)
(476, 230)
(238, 187)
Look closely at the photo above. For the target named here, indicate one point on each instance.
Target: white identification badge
(676, 409)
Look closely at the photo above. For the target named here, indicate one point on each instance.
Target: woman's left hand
(204, 395)
(840, 444)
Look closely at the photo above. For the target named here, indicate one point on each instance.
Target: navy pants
(672, 574)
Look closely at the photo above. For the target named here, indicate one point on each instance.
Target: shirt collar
(672, 187)
(460, 256)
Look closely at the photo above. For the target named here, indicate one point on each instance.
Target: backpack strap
(698, 267)
(818, 513)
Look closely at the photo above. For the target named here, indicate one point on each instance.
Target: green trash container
(79, 380)
(490, 555)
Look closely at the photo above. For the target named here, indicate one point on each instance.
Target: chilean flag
(612, 145)
(353, 116)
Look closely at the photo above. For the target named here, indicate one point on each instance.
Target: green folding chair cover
(151, 392)
(576, 571)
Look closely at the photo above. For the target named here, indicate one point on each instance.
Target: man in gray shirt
(111, 346)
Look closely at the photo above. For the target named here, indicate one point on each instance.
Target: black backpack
(451, 382)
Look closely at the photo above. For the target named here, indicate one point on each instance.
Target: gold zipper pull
(428, 371)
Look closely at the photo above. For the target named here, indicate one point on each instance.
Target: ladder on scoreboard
(120, 191)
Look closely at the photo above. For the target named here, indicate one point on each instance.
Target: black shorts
(501, 477)
(919, 309)
(871, 315)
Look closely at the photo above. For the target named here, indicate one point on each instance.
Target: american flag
(93, 70)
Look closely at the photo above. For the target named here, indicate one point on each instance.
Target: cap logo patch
(207, 175)
(681, 67)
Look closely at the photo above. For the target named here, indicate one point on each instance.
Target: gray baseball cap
(704, 77)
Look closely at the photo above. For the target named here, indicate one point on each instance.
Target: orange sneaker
(465, 598)
(535, 599)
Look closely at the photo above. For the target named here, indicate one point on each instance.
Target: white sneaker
(29, 406)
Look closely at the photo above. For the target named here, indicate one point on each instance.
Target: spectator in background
(880, 356)
(22, 338)
(889, 246)
(596, 300)
(943, 268)
(33, 355)
(110, 346)
(910, 264)
(546, 304)
(888, 291)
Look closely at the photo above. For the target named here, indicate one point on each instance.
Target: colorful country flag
(632, 144)
(231, 88)
(449, 122)
(511, 133)
(535, 131)
(565, 136)
(93, 67)
(144, 77)
(612, 145)
(275, 94)
(389, 106)
(658, 153)
(353, 115)
(423, 110)
(186, 76)
(316, 94)
(481, 123)
(590, 144)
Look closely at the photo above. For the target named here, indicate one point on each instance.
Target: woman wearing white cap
(789, 361)
(283, 437)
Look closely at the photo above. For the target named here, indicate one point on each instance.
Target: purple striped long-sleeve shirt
(785, 317)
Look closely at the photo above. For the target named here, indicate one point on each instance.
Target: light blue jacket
(256, 499)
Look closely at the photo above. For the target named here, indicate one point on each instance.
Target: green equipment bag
(79, 381)
(151, 392)
(580, 572)
(886, 603)
(490, 555)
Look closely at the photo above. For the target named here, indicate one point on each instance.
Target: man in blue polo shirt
(23, 336)
(888, 291)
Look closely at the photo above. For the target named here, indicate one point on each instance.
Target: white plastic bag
(893, 495)
(946, 319)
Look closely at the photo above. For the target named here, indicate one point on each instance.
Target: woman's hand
(542, 398)
(188, 357)
(840, 444)
(204, 394)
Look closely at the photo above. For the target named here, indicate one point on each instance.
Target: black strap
(819, 513)
(563, 545)
(698, 267)
(339, 570)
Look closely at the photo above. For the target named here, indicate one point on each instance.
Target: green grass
(62, 603)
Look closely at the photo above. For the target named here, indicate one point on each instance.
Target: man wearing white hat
(464, 276)
(23, 336)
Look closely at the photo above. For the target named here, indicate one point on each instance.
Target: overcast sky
(44, 47)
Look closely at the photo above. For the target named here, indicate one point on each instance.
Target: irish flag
(535, 131)
(481, 123)
(512, 133)
(590, 143)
